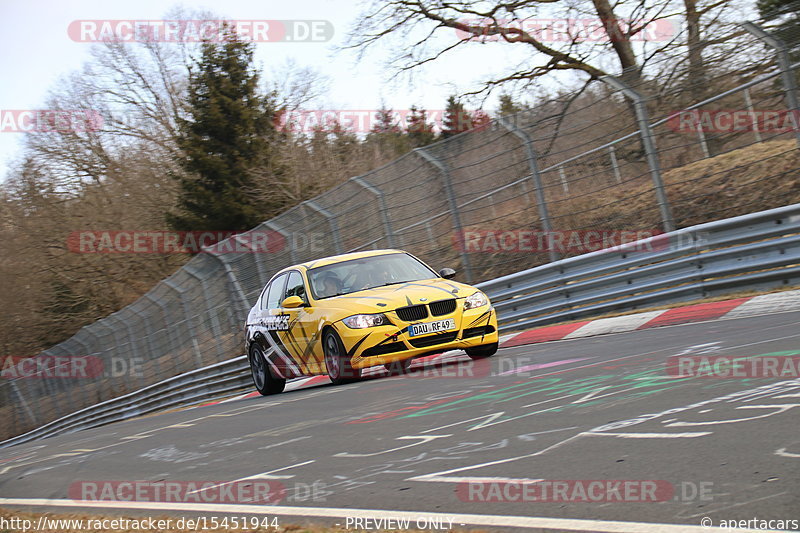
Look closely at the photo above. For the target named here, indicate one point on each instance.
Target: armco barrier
(750, 252)
(756, 251)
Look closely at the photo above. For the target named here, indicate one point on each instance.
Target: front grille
(412, 312)
(382, 349)
(430, 340)
(478, 332)
(443, 307)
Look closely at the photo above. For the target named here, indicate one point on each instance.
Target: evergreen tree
(420, 132)
(456, 118)
(227, 137)
(508, 106)
(387, 134)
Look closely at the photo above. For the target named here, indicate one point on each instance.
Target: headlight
(476, 300)
(365, 321)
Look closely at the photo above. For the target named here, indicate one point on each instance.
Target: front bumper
(387, 344)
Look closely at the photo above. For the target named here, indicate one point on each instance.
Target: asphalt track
(593, 409)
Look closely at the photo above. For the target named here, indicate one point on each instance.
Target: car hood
(400, 295)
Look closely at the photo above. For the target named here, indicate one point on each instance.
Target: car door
(273, 325)
(302, 324)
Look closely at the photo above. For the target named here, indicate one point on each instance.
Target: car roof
(343, 257)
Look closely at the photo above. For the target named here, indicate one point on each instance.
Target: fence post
(209, 309)
(290, 240)
(649, 145)
(749, 103)
(789, 82)
(188, 317)
(337, 238)
(387, 225)
(612, 154)
(536, 176)
(238, 297)
(451, 199)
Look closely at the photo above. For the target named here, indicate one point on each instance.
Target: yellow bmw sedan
(341, 314)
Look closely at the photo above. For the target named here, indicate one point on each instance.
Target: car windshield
(366, 273)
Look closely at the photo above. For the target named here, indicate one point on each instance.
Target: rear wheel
(395, 368)
(336, 360)
(264, 381)
(481, 352)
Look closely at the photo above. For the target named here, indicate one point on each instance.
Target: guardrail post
(451, 198)
(387, 225)
(649, 145)
(536, 176)
(337, 239)
(789, 82)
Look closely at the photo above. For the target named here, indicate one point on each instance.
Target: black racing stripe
(363, 297)
(455, 289)
(409, 300)
(431, 287)
(356, 345)
(282, 346)
(487, 313)
(310, 346)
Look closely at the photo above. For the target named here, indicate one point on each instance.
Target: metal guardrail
(755, 251)
(184, 390)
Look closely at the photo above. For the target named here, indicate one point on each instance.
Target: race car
(342, 314)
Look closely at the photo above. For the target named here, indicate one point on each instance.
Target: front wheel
(336, 360)
(482, 352)
(264, 381)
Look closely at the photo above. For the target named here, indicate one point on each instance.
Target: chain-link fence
(617, 160)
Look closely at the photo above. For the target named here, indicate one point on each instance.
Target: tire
(482, 352)
(336, 360)
(265, 383)
(396, 368)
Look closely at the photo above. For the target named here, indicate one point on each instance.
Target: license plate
(414, 330)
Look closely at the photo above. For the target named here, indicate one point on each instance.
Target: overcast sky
(37, 51)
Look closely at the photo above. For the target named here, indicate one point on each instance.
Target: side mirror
(292, 302)
(447, 273)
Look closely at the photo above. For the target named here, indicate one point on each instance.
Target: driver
(331, 284)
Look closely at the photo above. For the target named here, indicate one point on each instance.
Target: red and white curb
(737, 308)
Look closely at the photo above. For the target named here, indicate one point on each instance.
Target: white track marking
(651, 435)
(484, 479)
(424, 439)
(561, 524)
(783, 453)
(778, 409)
(263, 475)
